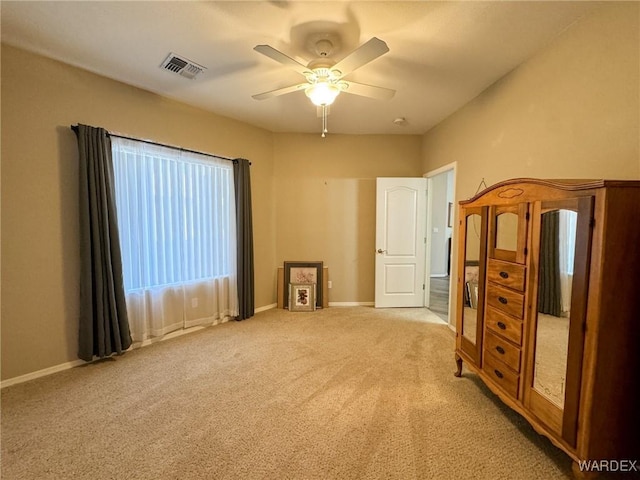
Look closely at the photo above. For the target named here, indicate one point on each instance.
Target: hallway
(439, 295)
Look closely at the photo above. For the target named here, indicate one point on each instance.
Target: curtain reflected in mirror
(471, 273)
(507, 232)
(557, 249)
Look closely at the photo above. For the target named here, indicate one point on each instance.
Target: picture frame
(304, 273)
(472, 294)
(302, 297)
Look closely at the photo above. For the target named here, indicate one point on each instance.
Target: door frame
(454, 234)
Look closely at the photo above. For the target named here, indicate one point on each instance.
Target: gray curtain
(549, 292)
(104, 327)
(244, 232)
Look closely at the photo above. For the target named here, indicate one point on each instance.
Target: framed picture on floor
(472, 294)
(302, 297)
(304, 273)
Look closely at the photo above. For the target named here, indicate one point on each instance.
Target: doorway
(441, 214)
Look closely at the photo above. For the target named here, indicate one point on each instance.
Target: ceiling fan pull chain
(324, 121)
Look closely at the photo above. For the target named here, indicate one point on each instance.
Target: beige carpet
(340, 393)
(552, 346)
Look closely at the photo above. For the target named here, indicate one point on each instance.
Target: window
(567, 240)
(176, 220)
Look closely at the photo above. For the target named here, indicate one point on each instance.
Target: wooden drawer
(507, 274)
(503, 350)
(505, 300)
(501, 375)
(508, 327)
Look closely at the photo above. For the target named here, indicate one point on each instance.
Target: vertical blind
(176, 216)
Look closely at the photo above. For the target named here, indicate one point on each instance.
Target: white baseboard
(351, 304)
(75, 363)
(40, 373)
(266, 307)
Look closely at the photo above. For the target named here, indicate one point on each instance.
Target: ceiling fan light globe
(322, 94)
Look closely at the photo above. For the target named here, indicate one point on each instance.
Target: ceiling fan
(324, 77)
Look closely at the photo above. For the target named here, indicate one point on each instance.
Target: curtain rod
(117, 135)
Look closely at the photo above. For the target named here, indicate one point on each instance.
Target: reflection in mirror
(557, 248)
(507, 232)
(471, 272)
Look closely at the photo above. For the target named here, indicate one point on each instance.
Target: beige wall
(325, 192)
(41, 98)
(313, 196)
(572, 111)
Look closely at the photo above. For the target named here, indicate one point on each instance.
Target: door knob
(381, 251)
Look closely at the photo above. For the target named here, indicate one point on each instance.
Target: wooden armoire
(548, 310)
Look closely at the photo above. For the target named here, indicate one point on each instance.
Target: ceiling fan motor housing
(323, 44)
(324, 47)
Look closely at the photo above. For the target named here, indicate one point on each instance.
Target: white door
(400, 242)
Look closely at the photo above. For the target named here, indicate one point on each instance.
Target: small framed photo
(302, 297)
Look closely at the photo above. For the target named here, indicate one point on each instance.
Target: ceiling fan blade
(362, 55)
(280, 57)
(379, 93)
(280, 91)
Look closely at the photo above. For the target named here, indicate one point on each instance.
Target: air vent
(182, 66)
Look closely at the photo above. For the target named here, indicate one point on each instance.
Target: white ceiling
(442, 54)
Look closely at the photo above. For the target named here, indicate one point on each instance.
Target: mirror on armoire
(471, 276)
(555, 278)
(507, 231)
(471, 288)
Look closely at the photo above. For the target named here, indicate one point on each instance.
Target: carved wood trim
(570, 185)
(510, 193)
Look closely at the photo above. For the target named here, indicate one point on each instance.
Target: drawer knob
(500, 350)
(502, 326)
(502, 300)
(498, 373)
(504, 274)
